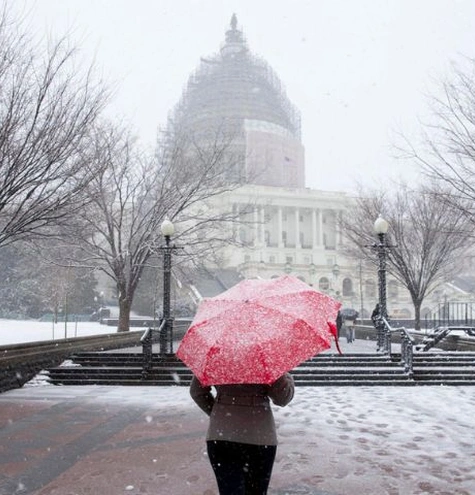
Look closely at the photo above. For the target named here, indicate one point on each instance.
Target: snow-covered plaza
(150, 440)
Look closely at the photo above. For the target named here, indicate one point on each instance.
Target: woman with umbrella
(243, 343)
(241, 438)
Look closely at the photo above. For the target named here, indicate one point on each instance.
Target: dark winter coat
(243, 413)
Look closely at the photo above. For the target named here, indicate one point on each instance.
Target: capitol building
(286, 227)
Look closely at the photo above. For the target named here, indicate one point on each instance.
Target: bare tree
(446, 152)
(132, 193)
(47, 107)
(31, 286)
(427, 238)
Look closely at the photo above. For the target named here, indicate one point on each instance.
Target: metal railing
(147, 343)
(440, 333)
(407, 346)
(450, 313)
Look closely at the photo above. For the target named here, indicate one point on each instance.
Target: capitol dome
(237, 92)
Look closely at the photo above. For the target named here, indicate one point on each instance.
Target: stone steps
(109, 368)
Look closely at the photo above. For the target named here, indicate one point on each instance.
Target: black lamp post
(288, 268)
(166, 334)
(335, 273)
(312, 270)
(335, 270)
(381, 228)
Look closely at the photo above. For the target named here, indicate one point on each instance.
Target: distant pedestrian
(241, 438)
(350, 330)
(339, 323)
(375, 315)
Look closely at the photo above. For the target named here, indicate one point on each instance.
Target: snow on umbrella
(257, 330)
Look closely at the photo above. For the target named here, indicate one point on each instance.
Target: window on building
(426, 312)
(437, 295)
(271, 259)
(392, 288)
(324, 283)
(289, 259)
(347, 287)
(284, 237)
(370, 288)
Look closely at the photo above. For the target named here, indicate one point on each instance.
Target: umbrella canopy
(257, 330)
(349, 313)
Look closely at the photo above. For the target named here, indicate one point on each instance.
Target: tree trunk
(124, 315)
(417, 315)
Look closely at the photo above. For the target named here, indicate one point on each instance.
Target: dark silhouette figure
(241, 438)
(339, 323)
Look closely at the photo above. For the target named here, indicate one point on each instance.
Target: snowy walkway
(150, 440)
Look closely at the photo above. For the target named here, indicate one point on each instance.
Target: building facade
(297, 231)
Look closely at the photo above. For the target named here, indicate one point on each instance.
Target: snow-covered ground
(18, 331)
(339, 440)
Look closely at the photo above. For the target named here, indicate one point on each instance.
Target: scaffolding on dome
(234, 85)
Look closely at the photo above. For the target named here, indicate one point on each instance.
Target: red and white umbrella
(257, 330)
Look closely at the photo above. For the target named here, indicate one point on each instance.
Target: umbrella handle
(334, 332)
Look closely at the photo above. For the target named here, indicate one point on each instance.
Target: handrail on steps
(407, 346)
(147, 342)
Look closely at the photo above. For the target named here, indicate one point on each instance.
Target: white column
(255, 221)
(262, 219)
(314, 229)
(279, 227)
(297, 228)
(338, 228)
(320, 227)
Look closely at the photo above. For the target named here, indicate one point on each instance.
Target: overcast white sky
(357, 70)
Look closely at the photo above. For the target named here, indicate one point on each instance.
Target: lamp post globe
(381, 226)
(167, 228)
